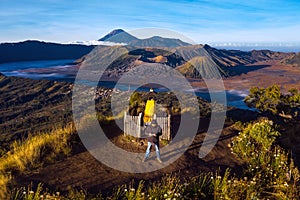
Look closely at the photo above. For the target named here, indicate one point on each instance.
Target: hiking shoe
(144, 159)
(159, 160)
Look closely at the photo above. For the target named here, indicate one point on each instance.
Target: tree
(135, 99)
(135, 103)
(264, 99)
(270, 99)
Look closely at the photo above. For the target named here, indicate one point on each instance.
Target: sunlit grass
(31, 153)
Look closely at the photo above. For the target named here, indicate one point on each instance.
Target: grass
(170, 187)
(32, 153)
(268, 172)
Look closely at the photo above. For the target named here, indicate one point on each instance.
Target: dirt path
(82, 170)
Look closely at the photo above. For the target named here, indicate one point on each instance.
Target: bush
(268, 172)
(264, 99)
(271, 99)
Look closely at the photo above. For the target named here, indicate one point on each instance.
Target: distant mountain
(293, 59)
(36, 50)
(121, 36)
(236, 57)
(157, 41)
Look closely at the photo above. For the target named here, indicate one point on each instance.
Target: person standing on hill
(153, 131)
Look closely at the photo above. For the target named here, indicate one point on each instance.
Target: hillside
(293, 59)
(231, 58)
(29, 106)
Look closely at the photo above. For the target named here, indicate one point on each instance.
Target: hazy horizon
(243, 46)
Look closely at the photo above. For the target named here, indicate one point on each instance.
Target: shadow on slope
(244, 69)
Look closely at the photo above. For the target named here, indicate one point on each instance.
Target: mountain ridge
(293, 59)
(181, 58)
(121, 36)
(32, 50)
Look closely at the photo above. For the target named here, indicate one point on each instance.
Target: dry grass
(32, 153)
(268, 174)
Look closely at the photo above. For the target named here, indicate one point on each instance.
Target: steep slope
(293, 59)
(201, 67)
(231, 58)
(119, 36)
(198, 63)
(28, 106)
(263, 55)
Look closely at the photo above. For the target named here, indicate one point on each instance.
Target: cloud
(96, 42)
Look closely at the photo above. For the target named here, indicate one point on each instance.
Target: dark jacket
(153, 131)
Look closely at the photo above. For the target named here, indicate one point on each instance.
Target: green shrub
(264, 99)
(271, 99)
(254, 143)
(268, 170)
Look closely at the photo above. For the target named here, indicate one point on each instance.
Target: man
(153, 131)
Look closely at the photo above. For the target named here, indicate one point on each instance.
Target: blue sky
(203, 21)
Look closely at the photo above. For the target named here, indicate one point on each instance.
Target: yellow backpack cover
(149, 110)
